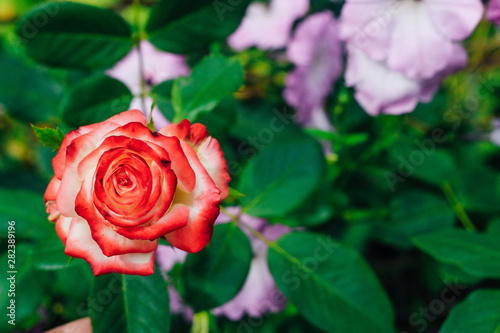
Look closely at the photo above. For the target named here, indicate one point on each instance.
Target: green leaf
(219, 120)
(423, 161)
(26, 208)
(437, 168)
(478, 313)
(476, 254)
(73, 35)
(33, 102)
(214, 275)
(494, 227)
(235, 193)
(182, 27)
(412, 214)
(210, 81)
(49, 255)
(163, 92)
(95, 99)
(281, 177)
(475, 181)
(30, 288)
(129, 303)
(49, 137)
(331, 285)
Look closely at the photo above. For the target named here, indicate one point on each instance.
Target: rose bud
(118, 188)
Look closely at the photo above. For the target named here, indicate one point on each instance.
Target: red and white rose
(118, 188)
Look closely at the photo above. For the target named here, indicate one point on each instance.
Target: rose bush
(118, 188)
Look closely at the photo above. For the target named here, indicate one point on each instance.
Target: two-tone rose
(118, 188)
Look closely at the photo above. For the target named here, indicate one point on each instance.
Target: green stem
(270, 243)
(200, 322)
(458, 207)
(232, 216)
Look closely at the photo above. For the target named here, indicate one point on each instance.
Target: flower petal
(203, 205)
(212, 158)
(455, 20)
(81, 245)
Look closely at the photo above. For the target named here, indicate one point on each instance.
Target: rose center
(123, 180)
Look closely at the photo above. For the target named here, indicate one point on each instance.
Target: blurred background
(398, 141)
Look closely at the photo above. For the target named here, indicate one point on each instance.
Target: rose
(118, 188)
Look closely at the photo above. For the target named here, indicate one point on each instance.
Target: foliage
(391, 214)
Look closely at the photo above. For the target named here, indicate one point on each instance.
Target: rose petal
(80, 244)
(203, 204)
(110, 242)
(63, 225)
(177, 217)
(179, 163)
(212, 158)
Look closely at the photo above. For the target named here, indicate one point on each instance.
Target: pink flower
(415, 38)
(495, 133)
(259, 294)
(158, 66)
(316, 52)
(268, 27)
(380, 89)
(493, 12)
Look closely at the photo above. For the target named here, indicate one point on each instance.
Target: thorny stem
(458, 207)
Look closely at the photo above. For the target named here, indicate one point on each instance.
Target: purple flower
(259, 294)
(493, 12)
(268, 27)
(495, 133)
(415, 38)
(380, 89)
(315, 50)
(158, 66)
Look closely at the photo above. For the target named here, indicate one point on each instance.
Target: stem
(200, 322)
(236, 219)
(141, 59)
(270, 243)
(458, 207)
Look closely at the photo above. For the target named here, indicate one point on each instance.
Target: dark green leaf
(94, 100)
(27, 92)
(476, 254)
(163, 92)
(330, 284)
(494, 227)
(214, 275)
(422, 160)
(129, 303)
(475, 182)
(181, 27)
(412, 214)
(479, 313)
(220, 119)
(28, 289)
(72, 35)
(281, 177)
(49, 255)
(26, 208)
(210, 81)
(49, 137)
